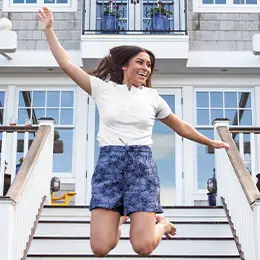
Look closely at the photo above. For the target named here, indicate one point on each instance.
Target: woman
(125, 182)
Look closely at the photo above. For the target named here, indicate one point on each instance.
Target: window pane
(63, 145)
(216, 113)
(66, 117)
(38, 99)
(53, 98)
(231, 99)
(202, 99)
(163, 148)
(62, 1)
(251, 2)
(238, 2)
(221, 2)
(18, 1)
(231, 114)
(244, 100)
(216, 99)
(53, 113)
(202, 117)
(31, 1)
(206, 2)
(22, 115)
(25, 98)
(49, 1)
(67, 98)
(205, 160)
(36, 114)
(2, 99)
(245, 117)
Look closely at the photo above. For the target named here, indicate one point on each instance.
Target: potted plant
(159, 17)
(110, 18)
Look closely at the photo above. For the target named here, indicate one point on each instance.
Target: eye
(139, 62)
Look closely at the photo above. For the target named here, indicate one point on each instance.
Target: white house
(206, 68)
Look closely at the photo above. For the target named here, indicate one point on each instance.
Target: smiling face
(138, 70)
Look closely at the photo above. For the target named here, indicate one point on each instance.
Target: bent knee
(144, 248)
(101, 249)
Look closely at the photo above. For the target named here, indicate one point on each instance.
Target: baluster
(3, 158)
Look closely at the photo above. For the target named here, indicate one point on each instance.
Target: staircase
(202, 233)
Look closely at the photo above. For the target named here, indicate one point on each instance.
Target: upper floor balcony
(158, 26)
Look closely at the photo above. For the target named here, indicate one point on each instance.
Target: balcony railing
(135, 17)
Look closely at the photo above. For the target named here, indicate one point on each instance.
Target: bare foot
(123, 219)
(169, 227)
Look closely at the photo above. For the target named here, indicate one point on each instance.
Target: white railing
(26, 195)
(10, 145)
(237, 188)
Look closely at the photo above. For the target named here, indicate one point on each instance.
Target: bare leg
(147, 230)
(104, 230)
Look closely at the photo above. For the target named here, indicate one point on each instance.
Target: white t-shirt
(126, 115)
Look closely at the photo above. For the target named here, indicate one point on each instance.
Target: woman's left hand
(219, 144)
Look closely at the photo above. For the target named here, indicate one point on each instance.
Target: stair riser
(119, 258)
(178, 214)
(166, 247)
(83, 230)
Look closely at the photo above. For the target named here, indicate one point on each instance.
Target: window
(234, 105)
(2, 105)
(227, 6)
(58, 105)
(34, 5)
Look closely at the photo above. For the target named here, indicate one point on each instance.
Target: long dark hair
(110, 66)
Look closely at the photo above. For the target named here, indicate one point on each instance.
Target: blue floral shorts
(126, 180)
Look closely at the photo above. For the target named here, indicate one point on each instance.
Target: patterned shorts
(126, 180)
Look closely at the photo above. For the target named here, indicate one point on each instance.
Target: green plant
(160, 9)
(112, 9)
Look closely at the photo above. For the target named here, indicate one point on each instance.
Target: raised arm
(79, 76)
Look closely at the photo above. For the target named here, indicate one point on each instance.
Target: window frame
(250, 89)
(8, 6)
(229, 7)
(72, 126)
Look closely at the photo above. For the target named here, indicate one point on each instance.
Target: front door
(167, 151)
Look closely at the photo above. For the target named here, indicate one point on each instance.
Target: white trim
(10, 7)
(37, 59)
(198, 7)
(90, 147)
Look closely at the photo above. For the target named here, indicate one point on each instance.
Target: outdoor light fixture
(212, 188)
(8, 38)
(55, 184)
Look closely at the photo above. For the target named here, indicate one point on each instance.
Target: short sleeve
(162, 109)
(97, 85)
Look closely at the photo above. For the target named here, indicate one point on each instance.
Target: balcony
(158, 26)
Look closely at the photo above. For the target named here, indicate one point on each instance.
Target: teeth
(142, 74)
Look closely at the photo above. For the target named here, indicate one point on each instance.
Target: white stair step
(82, 229)
(176, 246)
(129, 258)
(82, 213)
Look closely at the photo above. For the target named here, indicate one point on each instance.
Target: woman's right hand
(46, 18)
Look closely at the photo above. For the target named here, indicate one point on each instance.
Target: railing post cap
(221, 122)
(46, 121)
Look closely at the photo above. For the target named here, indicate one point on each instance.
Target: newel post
(219, 154)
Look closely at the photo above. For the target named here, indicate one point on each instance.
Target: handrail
(244, 130)
(242, 173)
(27, 166)
(19, 129)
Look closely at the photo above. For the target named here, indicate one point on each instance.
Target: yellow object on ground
(67, 197)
